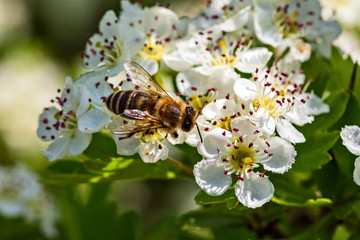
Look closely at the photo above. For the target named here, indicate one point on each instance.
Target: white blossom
(239, 151)
(208, 60)
(351, 140)
(112, 46)
(277, 99)
(70, 128)
(284, 25)
(151, 146)
(159, 28)
(228, 15)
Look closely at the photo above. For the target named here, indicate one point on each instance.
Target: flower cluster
(238, 63)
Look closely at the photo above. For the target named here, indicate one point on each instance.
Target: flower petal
(245, 89)
(193, 81)
(79, 143)
(152, 152)
(315, 105)
(96, 86)
(356, 174)
(254, 191)
(84, 103)
(252, 59)
(46, 130)
(283, 155)
(216, 109)
(264, 27)
(93, 121)
(209, 175)
(126, 146)
(244, 126)
(351, 139)
(214, 142)
(57, 149)
(150, 65)
(262, 119)
(288, 131)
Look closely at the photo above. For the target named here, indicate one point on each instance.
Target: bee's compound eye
(189, 110)
(187, 125)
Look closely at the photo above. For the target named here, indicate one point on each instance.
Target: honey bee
(150, 108)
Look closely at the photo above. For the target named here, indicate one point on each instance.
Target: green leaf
(312, 154)
(327, 175)
(228, 197)
(343, 209)
(288, 193)
(102, 147)
(217, 216)
(232, 203)
(70, 171)
(350, 116)
(316, 230)
(319, 202)
(344, 159)
(169, 228)
(340, 233)
(233, 233)
(67, 171)
(334, 74)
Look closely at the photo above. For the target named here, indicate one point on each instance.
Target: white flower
(239, 152)
(71, 127)
(229, 15)
(114, 45)
(22, 196)
(159, 28)
(208, 60)
(351, 140)
(151, 146)
(277, 99)
(284, 25)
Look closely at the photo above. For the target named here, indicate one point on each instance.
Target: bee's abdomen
(119, 101)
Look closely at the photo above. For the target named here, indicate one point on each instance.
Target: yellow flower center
(271, 104)
(224, 123)
(225, 59)
(152, 50)
(287, 24)
(241, 158)
(197, 102)
(110, 53)
(152, 136)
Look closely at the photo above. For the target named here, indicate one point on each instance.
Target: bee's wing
(139, 76)
(130, 123)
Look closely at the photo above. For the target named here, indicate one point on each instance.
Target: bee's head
(189, 120)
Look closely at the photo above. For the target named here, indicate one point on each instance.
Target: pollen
(152, 49)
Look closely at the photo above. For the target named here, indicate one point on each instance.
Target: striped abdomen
(119, 101)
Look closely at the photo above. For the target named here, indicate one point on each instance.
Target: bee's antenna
(201, 109)
(197, 126)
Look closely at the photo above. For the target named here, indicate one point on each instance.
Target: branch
(180, 165)
(353, 77)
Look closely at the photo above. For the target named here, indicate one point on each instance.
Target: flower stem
(353, 77)
(180, 165)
